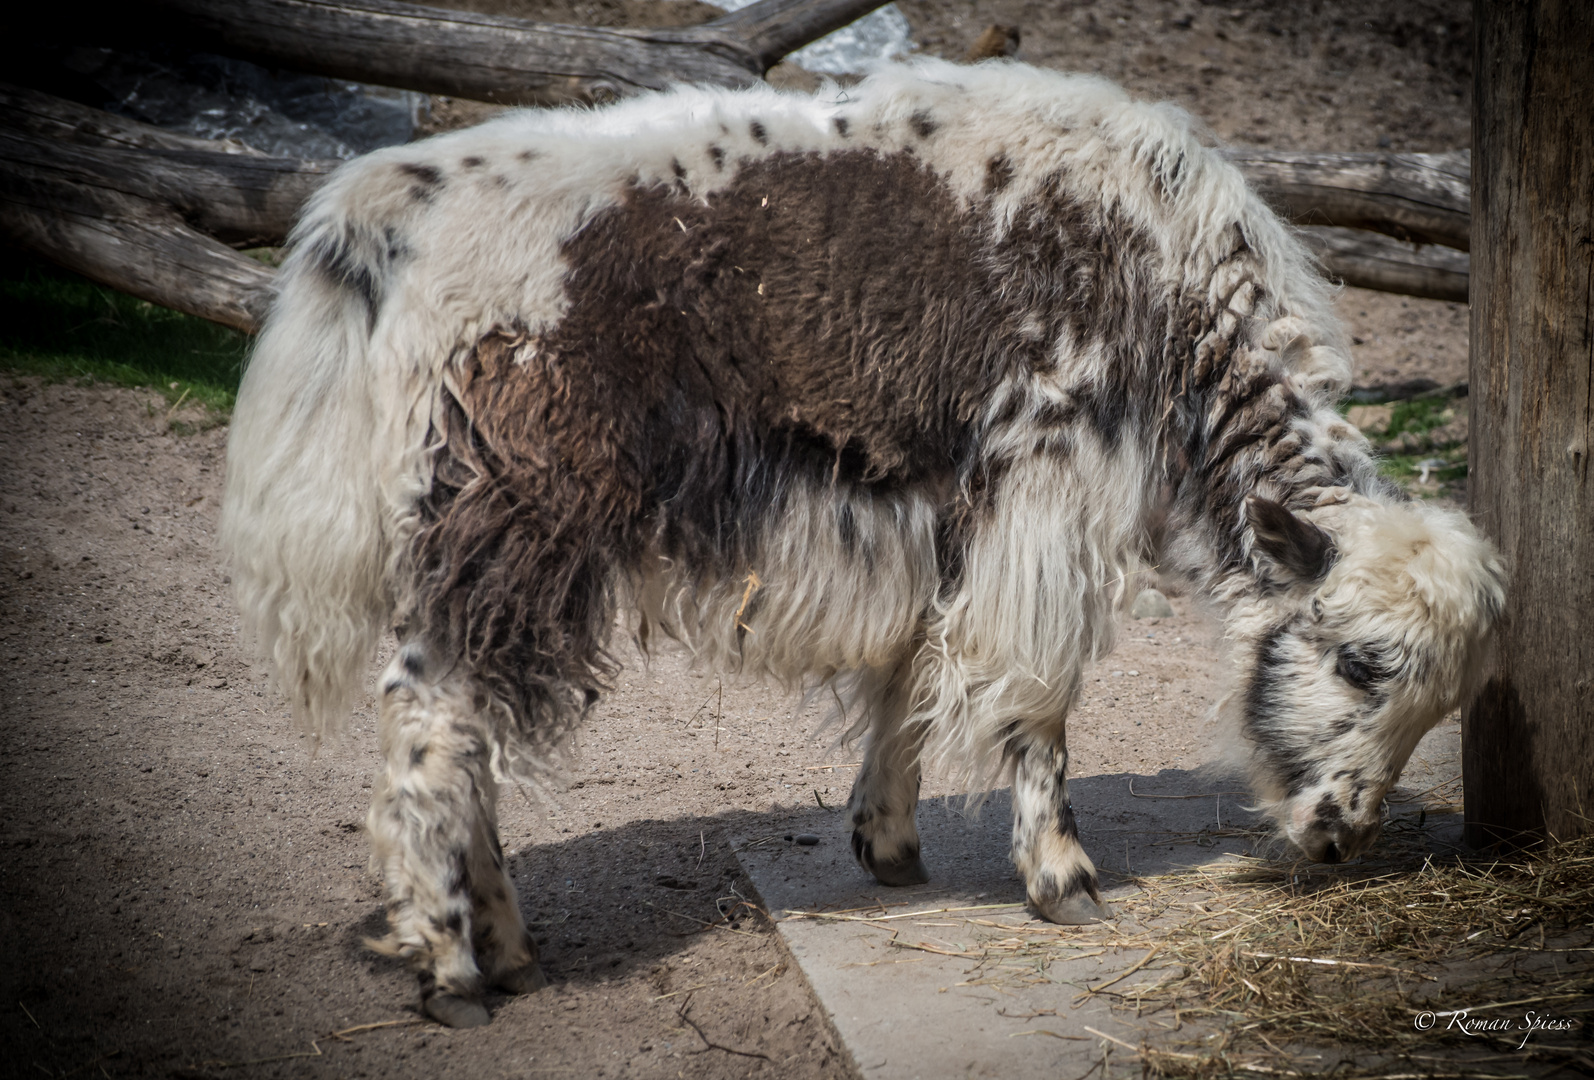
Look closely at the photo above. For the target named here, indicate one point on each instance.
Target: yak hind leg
(1058, 876)
(885, 795)
(450, 904)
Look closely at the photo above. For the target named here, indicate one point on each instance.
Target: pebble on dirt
(1151, 604)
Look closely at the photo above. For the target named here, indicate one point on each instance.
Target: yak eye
(1357, 670)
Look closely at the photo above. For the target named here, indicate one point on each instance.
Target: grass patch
(65, 328)
(1418, 415)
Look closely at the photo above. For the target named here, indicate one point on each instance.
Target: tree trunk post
(1528, 738)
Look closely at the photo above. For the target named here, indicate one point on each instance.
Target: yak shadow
(608, 902)
(1130, 825)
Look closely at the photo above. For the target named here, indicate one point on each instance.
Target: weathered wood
(156, 259)
(1528, 740)
(107, 197)
(1422, 198)
(1369, 260)
(772, 29)
(31, 111)
(504, 60)
(240, 199)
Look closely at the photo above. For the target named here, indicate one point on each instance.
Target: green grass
(65, 328)
(1419, 415)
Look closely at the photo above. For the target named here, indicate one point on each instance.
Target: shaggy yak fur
(891, 388)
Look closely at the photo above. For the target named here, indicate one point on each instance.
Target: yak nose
(1342, 843)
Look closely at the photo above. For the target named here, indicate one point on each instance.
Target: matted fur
(894, 386)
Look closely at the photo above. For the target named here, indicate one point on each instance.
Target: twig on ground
(358, 1028)
(1142, 962)
(711, 1044)
(701, 922)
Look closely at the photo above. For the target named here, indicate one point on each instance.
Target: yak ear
(1297, 545)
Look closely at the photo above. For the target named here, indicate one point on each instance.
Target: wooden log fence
(503, 60)
(156, 213)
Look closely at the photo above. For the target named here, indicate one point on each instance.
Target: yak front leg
(434, 839)
(1058, 876)
(885, 795)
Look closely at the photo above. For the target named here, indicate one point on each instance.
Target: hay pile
(1378, 958)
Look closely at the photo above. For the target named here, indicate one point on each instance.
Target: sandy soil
(183, 886)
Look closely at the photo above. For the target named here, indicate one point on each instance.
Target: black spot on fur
(341, 262)
(998, 174)
(923, 124)
(418, 755)
(1266, 695)
(760, 136)
(677, 168)
(842, 126)
(471, 162)
(458, 872)
(397, 249)
(528, 155)
(1328, 811)
(428, 180)
(411, 661)
(393, 686)
(717, 155)
(455, 922)
(1081, 880)
(846, 527)
(426, 174)
(1066, 825)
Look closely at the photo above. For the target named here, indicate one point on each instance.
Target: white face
(1333, 722)
(1369, 631)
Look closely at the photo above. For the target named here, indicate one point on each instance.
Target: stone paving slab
(909, 1014)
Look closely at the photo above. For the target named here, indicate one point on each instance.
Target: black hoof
(902, 873)
(526, 979)
(455, 1011)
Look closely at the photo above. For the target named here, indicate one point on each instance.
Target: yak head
(1370, 622)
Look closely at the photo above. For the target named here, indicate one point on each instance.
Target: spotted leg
(1059, 876)
(450, 904)
(885, 839)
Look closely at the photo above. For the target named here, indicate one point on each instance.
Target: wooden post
(1528, 739)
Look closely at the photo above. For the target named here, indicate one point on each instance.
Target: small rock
(1370, 419)
(806, 839)
(1151, 604)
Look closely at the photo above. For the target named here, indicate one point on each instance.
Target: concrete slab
(915, 991)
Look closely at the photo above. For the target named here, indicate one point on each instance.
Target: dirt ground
(183, 887)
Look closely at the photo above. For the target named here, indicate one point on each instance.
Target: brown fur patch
(837, 319)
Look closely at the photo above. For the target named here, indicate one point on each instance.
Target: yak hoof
(455, 1011)
(1076, 909)
(526, 979)
(901, 873)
